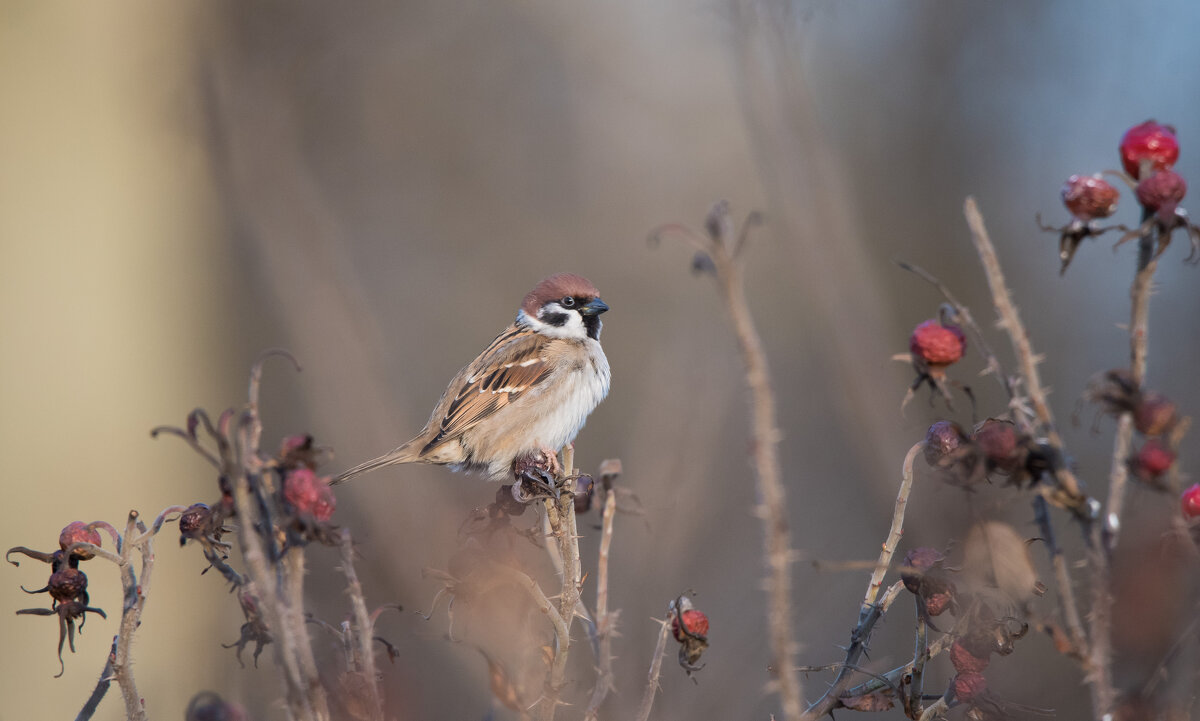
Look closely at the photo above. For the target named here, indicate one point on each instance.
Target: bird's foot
(537, 476)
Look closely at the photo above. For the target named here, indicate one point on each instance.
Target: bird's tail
(403, 454)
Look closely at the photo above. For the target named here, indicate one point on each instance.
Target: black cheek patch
(554, 319)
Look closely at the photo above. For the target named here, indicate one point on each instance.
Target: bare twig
(920, 655)
(859, 639)
(560, 514)
(872, 608)
(604, 620)
(364, 655)
(895, 532)
(655, 671)
(1062, 577)
(135, 601)
(1139, 331)
(893, 678)
(720, 247)
(1010, 321)
(1100, 651)
(98, 693)
(276, 587)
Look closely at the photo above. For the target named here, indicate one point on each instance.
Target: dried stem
(1062, 577)
(920, 655)
(1139, 331)
(1104, 540)
(135, 601)
(872, 608)
(278, 591)
(721, 248)
(1010, 321)
(560, 514)
(893, 678)
(655, 671)
(1100, 651)
(604, 620)
(895, 532)
(106, 679)
(364, 655)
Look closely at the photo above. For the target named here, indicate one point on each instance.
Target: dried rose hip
(1089, 197)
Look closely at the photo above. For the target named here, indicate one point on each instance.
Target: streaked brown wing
(511, 365)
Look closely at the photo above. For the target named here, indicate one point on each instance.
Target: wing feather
(513, 363)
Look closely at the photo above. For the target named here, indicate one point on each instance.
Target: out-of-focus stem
(655, 671)
(1010, 321)
(366, 627)
(920, 654)
(1139, 332)
(604, 623)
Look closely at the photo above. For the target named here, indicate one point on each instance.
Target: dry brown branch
(1062, 577)
(135, 589)
(920, 656)
(1100, 651)
(135, 601)
(605, 622)
(1139, 332)
(720, 248)
(1027, 360)
(365, 631)
(893, 678)
(872, 608)
(560, 516)
(655, 671)
(896, 530)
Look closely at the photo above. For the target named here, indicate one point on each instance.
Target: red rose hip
(1152, 142)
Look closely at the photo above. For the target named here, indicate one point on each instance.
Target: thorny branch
(364, 655)
(720, 252)
(1139, 332)
(560, 515)
(655, 671)
(1010, 320)
(872, 607)
(605, 621)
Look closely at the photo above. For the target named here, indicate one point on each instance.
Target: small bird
(525, 396)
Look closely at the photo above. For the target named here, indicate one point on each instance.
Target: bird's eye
(567, 302)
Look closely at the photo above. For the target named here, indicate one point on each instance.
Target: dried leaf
(878, 701)
(996, 556)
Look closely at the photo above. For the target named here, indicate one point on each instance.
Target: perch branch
(604, 621)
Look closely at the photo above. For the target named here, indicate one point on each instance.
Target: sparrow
(525, 396)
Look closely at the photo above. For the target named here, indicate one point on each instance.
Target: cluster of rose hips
(1148, 154)
(926, 576)
(68, 583)
(1155, 417)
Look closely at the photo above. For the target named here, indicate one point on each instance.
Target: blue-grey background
(376, 186)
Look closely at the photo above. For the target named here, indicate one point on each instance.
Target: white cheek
(573, 328)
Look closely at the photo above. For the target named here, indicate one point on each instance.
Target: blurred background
(183, 185)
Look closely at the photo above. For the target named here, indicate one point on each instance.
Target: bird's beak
(593, 307)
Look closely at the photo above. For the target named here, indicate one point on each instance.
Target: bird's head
(564, 305)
